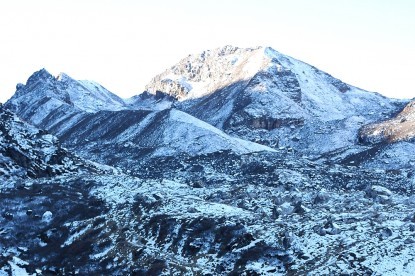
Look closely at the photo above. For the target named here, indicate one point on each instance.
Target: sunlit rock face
(399, 128)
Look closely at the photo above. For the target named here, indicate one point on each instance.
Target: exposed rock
(399, 128)
(47, 216)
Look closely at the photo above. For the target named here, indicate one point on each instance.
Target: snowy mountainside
(201, 75)
(195, 214)
(48, 102)
(89, 95)
(388, 143)
(128, 137)
(264, 96)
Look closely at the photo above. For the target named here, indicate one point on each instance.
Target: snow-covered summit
(255, 94)
(90, 96)
(199, 75)
(262, 69)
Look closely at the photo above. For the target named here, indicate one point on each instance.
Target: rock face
(178, 187)
(399, 128)
(27, 152)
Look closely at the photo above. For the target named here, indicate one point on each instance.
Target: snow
(16, 270)
(43, 111)
(393, 265)
(63, 91)
(317, 91)
(393, 156)
(76, 236)
(218, 70)
(131, 132)
(103, 253)
(381, 190)
(278, 88)
(49, 138)
(92, 97)
(263, 269)
(47, 216)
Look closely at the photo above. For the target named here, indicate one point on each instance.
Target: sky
(122, 44)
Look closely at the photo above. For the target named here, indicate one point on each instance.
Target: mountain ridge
(263, 97)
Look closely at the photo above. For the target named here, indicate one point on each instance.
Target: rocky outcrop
(27, 152)
(399, 128)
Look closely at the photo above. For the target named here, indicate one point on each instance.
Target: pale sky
(122, 44)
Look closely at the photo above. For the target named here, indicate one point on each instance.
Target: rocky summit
(231, 162)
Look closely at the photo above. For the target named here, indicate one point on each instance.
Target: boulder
(47, 216)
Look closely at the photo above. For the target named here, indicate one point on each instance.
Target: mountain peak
(42, 74)
(199, 75)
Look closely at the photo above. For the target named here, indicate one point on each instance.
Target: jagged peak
(212, 69)
(228, 50)
(42, 74)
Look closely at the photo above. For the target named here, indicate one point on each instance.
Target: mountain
(233, 162)
(264, 96)
(391, 140)
(60, 214)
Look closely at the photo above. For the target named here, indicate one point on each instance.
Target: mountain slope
(219, 213)
(129, 137)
